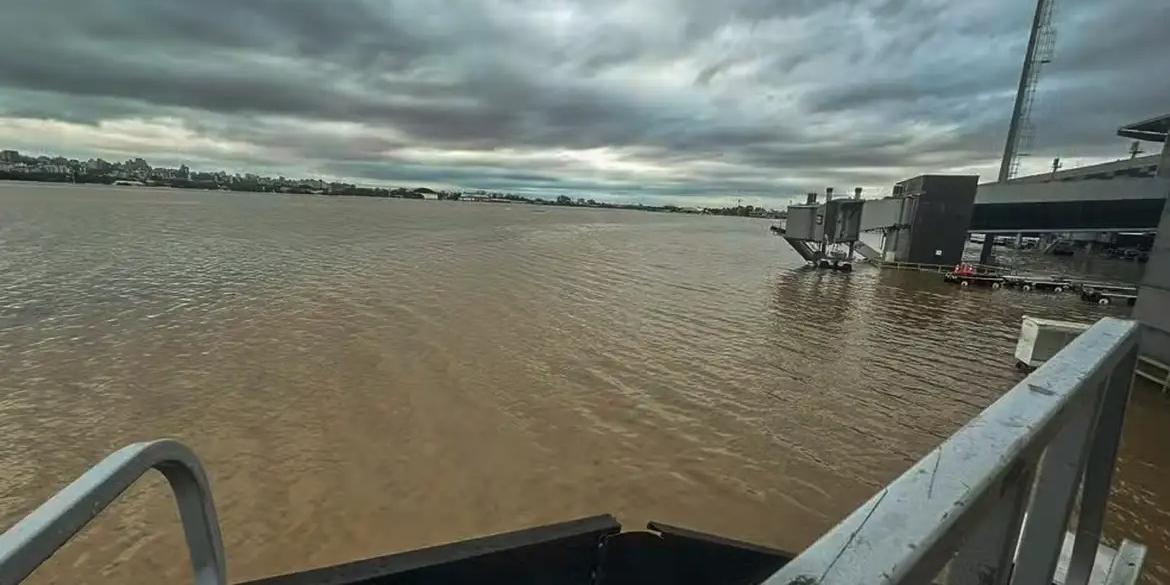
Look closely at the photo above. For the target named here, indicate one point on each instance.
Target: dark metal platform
(588, 551)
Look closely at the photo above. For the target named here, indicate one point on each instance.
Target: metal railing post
(985, 558)
(1057, 482)
(36, 537)
(1099, 471)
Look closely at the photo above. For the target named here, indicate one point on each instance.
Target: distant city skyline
(50, 167)
(682, 101)
(29, 166)
(137, 171)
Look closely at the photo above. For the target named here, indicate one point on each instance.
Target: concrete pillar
(1153, 304)
(1019, 240)
(985, 253)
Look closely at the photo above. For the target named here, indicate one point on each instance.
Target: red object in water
(964, 270)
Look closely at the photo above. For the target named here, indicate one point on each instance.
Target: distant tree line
(746, 211)
(137, 171)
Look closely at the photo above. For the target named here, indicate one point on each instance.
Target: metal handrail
(991, 504)
(36, 537)
(1159, 374)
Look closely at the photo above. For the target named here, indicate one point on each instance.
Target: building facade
(1153, 304)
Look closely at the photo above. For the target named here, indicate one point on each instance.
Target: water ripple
(343, 365)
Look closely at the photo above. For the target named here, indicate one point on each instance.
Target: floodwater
(365, 376)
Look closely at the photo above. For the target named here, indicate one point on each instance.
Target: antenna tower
(1021, 133)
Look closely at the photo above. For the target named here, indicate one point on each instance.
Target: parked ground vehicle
(1135, 255)
(1105, 295)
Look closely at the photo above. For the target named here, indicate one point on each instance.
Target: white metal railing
(36, 537)
(1154, 371)
(991, 504)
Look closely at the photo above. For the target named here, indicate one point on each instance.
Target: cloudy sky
(696, 101)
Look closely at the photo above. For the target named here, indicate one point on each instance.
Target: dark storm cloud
(660, 97)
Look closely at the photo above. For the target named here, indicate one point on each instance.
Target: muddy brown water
(366, 376)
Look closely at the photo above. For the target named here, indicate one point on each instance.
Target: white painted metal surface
(1154, 371)
(1127, 564)
(1107, 563)
(963, 504)
(1040, 339)
(36, 537)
